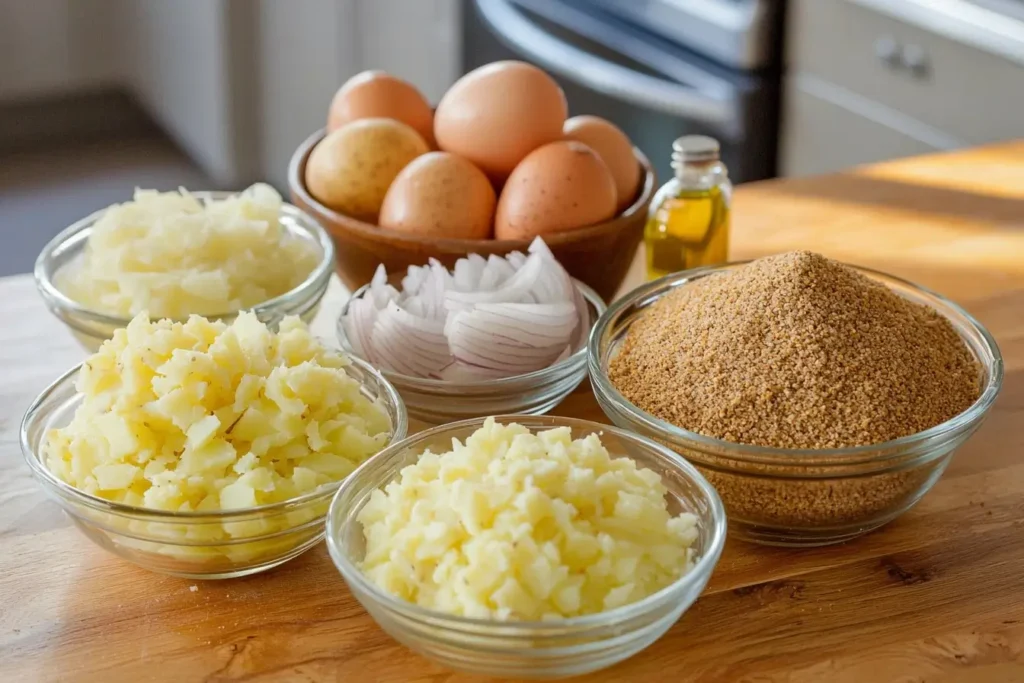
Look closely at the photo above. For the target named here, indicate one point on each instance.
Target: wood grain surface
(936, 597)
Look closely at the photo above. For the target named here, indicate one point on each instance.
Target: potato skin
(352, 167)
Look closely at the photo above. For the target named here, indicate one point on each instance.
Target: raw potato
(559, 187)
(376, 94)
(440, 195)
(351, 169)
(203, 416)
(495, 115)
(513, 525)
(172, 255)
(615, 150)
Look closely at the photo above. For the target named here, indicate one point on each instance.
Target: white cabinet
(827, 129)
(877, 79)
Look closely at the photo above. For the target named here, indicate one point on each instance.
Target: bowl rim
(577, 357)
(49, 480)
(451, 245)
(318, 278)
(874, 453)
(701, 571)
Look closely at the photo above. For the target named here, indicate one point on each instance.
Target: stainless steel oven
(638, 63)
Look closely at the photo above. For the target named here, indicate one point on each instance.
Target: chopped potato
(205, 416)
(522, 526)
(171, 255)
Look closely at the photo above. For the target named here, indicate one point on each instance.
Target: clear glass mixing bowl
(529, 649)
(802, 497)
(191, 544)
(92, 328)
(435, 401)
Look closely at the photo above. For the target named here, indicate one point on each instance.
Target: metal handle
(601, 75)
(916, 60)
(888, 51)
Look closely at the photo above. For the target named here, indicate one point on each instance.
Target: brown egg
(376, 94)
(496, 115)
(351, 169)
(561, 186)
(614, 148)
(440, 195)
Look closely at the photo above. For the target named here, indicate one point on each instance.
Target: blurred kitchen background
(100, 96)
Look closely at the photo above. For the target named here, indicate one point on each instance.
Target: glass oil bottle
(688, 222)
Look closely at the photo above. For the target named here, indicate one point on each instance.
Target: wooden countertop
(936, 596)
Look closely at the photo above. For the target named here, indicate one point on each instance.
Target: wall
(417, 40)
(176, 59)
(51, 47)
(308, 48)
(237, 83)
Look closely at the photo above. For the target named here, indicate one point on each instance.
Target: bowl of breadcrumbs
(822, 400)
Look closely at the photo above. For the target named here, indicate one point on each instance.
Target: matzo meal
(513, 525)
(173, 255)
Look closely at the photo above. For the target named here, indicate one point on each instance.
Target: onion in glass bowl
(492, 336)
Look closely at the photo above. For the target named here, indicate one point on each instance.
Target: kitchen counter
(934, 596)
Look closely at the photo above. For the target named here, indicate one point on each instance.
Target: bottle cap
(699, 148)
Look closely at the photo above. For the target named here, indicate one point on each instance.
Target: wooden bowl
(599, 255)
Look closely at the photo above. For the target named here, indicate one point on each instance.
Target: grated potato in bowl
(171, 254)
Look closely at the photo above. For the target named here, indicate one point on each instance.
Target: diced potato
(514, 525)
(159, 440)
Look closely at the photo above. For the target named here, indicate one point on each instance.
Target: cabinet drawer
(820, 135)
(969, 93)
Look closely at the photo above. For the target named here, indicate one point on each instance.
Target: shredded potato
(171, 255)
(521, 526)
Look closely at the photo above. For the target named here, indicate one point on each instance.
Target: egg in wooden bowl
(494, 184)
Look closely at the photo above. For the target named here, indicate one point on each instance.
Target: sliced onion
(473, 338)
(516, 259)
(413, 280)
(468, 272)
(487, 318)
(420, 341)
(514, 290)
(380, 290)
(583, 317)
(433, 291)
(358, 325)
(460, 371)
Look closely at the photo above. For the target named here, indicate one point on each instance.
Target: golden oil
(688, 223)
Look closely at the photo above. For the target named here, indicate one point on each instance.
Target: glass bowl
(437, 401)
(547, 649)
(91, 328)
(192, 544)
(793, 497)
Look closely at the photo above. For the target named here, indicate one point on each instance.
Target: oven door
(653, 89)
